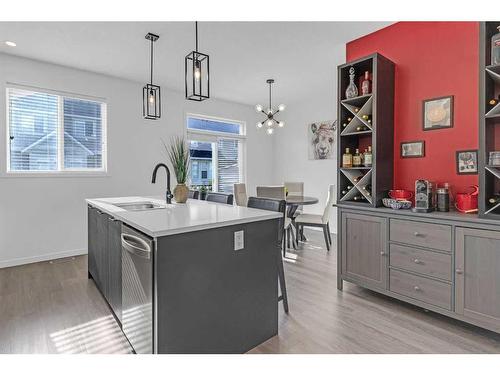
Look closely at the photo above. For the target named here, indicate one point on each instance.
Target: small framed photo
(415, 149)
(467, 162)
(437, 113)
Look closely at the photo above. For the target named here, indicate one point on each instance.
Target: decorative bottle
(347, 159)
(356, 159)
(367, 159)
(495, 49)
(366, 86)
(352, 90)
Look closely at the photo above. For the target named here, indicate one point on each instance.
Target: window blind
(228, 168)
(33, 135)
(49, 132)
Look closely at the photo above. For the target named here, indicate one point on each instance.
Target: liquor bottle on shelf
(367, 157)
(351, 90)
(495, 48)
(347, 159)
(366, 84)
(356, 159)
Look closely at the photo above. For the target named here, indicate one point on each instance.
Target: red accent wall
(432, 59)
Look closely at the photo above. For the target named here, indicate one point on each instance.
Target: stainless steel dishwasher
(137, 289)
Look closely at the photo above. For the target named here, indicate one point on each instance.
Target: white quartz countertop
(179, 218)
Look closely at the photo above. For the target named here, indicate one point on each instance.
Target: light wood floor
(53, 308)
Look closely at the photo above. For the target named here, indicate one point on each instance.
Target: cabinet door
(102, 254)
(91, 245)
(364, 249)
(114, 251)
(477, 277)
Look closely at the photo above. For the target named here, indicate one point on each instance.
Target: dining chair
(240, 194)
(311, 220)
(275, 205)
(295, 189)
(219, 197)
(275, 192)
(278, 192)
(193, 194)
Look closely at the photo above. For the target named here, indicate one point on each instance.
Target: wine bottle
(366, 84)
(356, 110)
(366, 117)
(347, 159)
(349, 119)
(359, 198)
(494, 101)
(494, 200)
(356, 159)
(344, 192)
(344, 125)
(349, 187)
(367, 187)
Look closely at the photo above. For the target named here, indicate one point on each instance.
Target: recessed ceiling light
(10, 44)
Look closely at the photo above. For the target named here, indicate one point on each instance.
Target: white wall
(291, 162)
(45, 217)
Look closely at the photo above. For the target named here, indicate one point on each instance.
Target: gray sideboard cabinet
(104, 256)
(448, 263)
(477, 289)
(364, 249)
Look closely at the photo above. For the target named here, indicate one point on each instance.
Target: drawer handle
(459, 271)
(416, 287)
(417, 261)
(418, 234)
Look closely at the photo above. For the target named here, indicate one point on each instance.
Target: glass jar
(495, 48)
(352, 90)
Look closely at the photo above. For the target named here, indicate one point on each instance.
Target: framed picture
(415, 149)
(321, 139)
(467, 162)
(437, 113)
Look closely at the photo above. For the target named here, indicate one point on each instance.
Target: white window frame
(61, 172)
(214, 137)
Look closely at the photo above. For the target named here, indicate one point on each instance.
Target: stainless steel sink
(139, 206)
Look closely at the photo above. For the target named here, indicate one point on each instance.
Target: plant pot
(181, 193)
(203, 195)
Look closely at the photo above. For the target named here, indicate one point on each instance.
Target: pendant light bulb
(258, 108)
(281, 107)
(259, 125)
(270, 131)
(269, 122)
(197, 71)
(281, 124)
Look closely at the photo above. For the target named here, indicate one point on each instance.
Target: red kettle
(467, 202)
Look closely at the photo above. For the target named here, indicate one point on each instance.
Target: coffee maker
(424, 196)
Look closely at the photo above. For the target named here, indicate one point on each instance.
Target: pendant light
(270, 122)
(197, 66)
(151, 101)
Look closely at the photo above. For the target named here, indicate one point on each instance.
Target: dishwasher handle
(136, 246)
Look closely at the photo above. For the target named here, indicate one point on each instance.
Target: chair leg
(327, 242)
(288, 237)
(293, 237)
(284, 243)
(329, 233)
(281, 277)
(297, 234)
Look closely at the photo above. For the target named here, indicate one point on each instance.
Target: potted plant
(178, 153)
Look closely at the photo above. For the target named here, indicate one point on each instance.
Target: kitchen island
(199, 277)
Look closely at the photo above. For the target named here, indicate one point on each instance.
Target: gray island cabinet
(194, 278)
(444, 262)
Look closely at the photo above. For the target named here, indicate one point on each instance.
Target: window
(217, 152)
(54, 133)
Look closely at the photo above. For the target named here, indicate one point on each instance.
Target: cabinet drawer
(417, 287)
(421, 261)
(434, 236)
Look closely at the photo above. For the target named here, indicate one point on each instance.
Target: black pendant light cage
(197, 73)
(151, 95)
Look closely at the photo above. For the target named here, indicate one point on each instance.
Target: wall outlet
(239, 240)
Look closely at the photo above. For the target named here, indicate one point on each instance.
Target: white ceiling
(300, 56)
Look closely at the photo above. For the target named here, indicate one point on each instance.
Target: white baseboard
(41, 258)
(321, 229)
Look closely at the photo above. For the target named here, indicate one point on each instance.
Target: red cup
(401, 194)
